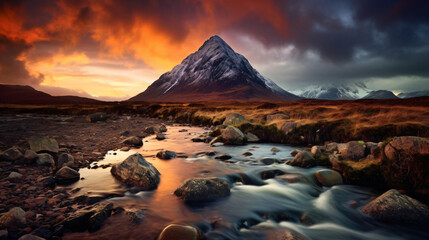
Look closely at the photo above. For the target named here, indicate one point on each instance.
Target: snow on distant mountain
(334, 91)
(380, 94)
(214, 73)
(414, 94)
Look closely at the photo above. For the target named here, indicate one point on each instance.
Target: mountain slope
(17, 94)
(380, 94)
(334, 92)
(214, 73)
(414, 94)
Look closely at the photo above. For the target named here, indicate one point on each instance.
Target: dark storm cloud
(13, 70)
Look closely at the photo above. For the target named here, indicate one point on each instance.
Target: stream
(256, 209)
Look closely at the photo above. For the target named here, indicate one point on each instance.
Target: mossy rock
(366, 172)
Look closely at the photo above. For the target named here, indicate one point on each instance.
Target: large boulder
(160, 136)
(65, 159)
(288, 127)
(163, 128)
(396, 208)
(136, 171)
(11, 154)
(45, 159)
(96, 117)
(303, 159)
(14, 218)
(166, 155)
(133, 141)
(232, 135)
(43, 144)
(354, 150)
(328, 177)
(202, 189)
(180, 232)
(151, 130)
(234, 119)
(67, 174)
(277, 116)
(408, 145)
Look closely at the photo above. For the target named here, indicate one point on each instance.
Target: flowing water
(258, 208)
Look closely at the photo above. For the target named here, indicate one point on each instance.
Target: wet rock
(11, 154)
(294, 153)
(215, 140)
(66, 175)
(30, 237)
(315, 150)
(284, 234)
(14, 176)
(90, 218)
(43, 144)
(288, 127)
(234, 119)
(150, 130)
(163, 128)
(267, 160)
(133, 141)
(202, 189)
(65, 159)
(160, 136)
(293, 178)
(136, 171)
(183, 130)
(232, 135)
(45, 159)
(354, 150)
(277, 116)
(135, 215)
(370, 147)
(251, 138)
(125, 149)
(223, 157)
(408, 145)
(96, 117)
(13, 219)
(328, 177)
(331, 147)
(396, 208)
(180, 232)
(102, 212)
(274, 150)
(198, 139)
(303, 159)
(246, 154)
(166, 155)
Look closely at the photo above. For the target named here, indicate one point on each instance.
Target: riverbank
(88, 141)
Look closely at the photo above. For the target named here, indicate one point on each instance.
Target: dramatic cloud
(116, 48)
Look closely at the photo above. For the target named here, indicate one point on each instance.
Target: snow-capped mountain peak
(215, 69)
(354, 90)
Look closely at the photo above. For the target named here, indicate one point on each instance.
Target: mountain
(334, 92)
(214, 73)
(380, 94)
(17, 94)
(414, 94)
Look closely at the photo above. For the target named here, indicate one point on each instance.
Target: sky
(114, 49)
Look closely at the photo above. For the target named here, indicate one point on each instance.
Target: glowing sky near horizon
(111, 49)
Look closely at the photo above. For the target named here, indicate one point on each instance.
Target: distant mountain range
(214, 73)
(332, 91)
(17, 94)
